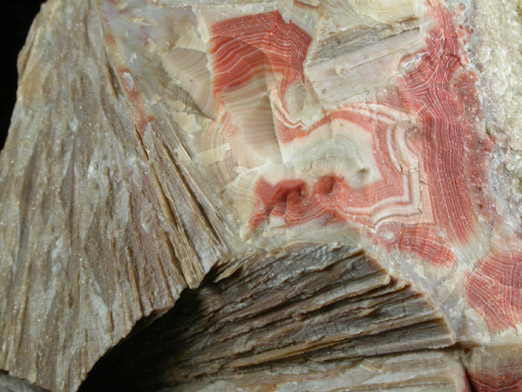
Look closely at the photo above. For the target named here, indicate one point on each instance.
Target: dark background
(16, 18)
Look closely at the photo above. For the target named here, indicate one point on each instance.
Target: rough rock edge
(13, 384)
(500, 57)
(302, 294)
(73, 150)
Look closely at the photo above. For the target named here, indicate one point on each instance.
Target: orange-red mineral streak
(342, 201)
(455, 152)
(131, 89)
(439, 93)
(503, 382)
(423, 240)
(495, 290)
(246, 46)
(452, 149)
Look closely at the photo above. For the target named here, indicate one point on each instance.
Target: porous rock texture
(313, 195)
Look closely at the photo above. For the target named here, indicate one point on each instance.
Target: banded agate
(350, 122)
(285, 195)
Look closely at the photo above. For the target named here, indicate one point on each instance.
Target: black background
(17, 16)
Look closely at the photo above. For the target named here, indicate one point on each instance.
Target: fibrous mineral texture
(334, 183)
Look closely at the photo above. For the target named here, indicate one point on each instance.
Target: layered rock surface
(333, 183)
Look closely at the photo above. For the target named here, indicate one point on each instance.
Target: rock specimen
(314, 195)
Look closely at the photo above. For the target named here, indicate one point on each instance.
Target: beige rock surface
(150, 171)
(89, 244)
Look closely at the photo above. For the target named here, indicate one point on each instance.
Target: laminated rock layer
(342, 176)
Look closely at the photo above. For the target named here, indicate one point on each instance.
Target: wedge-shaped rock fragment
(313, 195)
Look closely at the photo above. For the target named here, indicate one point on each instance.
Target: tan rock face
(334, 182)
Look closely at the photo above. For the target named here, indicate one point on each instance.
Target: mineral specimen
(287, 195)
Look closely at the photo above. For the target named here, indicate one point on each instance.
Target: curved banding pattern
(343, 123)
(254, 57)
(408, 167)
(495, 290)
